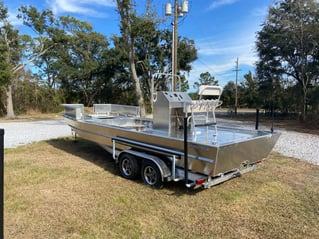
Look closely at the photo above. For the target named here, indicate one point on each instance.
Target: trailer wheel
(151, 175)
(129, 167)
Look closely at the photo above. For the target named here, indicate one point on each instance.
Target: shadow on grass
(95, 154)
(88, 151)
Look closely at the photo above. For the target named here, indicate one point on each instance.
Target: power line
(203, 63)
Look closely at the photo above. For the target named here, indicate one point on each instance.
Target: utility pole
(175, 43)
(236, 87)
(179, 11)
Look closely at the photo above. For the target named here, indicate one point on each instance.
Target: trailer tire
(129, 167)
(151, 175)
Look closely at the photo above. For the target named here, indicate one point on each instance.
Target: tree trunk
(10, 111)
(138, 90)
(304, 110)
(124, 8)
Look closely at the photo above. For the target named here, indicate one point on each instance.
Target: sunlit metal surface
(212, 150)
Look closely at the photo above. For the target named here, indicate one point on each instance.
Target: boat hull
(208, 153)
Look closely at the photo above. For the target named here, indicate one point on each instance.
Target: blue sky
(223, 30)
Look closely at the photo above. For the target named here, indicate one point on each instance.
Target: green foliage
(5, 69)
(38, 21)
(288, 46)
(81, 65)
(248, 91)
(30, 95)
(314, 100)
(72, 63)
(152, 48)
(205, 79)
(228, 96)
(9, 46)
(187, 53)
(2, 99)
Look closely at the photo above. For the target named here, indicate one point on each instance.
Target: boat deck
(205, 135)
(212, 149)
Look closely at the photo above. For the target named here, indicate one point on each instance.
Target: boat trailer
(181, 142)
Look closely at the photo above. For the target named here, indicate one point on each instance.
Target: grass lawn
(63, 189)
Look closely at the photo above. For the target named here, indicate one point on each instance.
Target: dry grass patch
(62, 189)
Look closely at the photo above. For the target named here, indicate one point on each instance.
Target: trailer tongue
(181, 142)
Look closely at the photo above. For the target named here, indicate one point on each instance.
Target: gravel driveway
(291, 144)
(299, 145)
(20, 133)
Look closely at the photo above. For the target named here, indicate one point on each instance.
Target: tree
(120, 88)
(66, 51)
(153, 52)
(228, 96)
(249, 91)
(127, 14)
(187, 53)
(205, 79)
(70, 56)
(149, 51)
(10, 55)
(147, 48)
(21, 50)
(6, 32)
(80, 62)
(288, 44)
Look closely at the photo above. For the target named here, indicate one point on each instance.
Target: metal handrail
(153, 92)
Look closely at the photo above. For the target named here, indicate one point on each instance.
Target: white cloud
(222, 71)
(223, 51)
(218, 55)
(84, 7)
(105, 3)
(219, 3)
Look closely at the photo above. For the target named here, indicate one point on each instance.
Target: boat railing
(203, 110)
(169, 81)
(116, 110)
(75, 111)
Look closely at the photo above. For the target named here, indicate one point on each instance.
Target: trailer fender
(163, 168)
